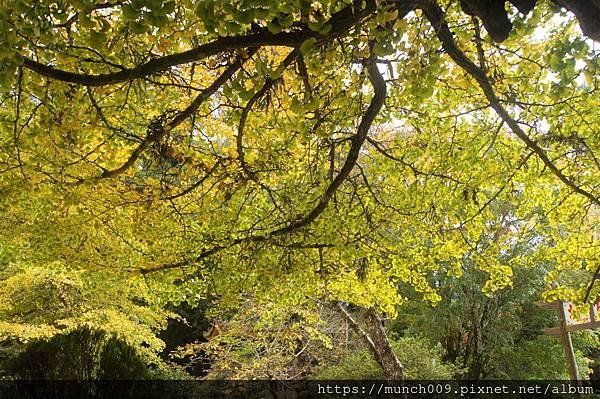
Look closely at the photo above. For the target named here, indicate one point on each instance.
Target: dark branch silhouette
(436, 17)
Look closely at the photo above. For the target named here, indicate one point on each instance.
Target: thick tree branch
(377, 342)
(357, 141)
(588, 14)
(340, 21)
(162, 63)
(268, 85)
(356, 327)
(435, 15)
(157, 129)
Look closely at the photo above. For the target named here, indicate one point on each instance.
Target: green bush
(420, 360)
(83, 354)
(539, 359)
(120, 361)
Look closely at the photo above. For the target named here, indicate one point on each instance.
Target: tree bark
(588, 14)
(377, 342)
(384, 355)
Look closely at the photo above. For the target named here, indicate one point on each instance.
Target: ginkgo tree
(301, 152)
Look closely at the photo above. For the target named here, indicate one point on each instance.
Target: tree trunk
(384, 355)
(377, 343)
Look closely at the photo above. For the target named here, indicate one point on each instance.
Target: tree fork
(377, 342)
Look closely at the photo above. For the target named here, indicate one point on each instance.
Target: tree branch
(357, 141)
(357, 328)
(269, 83)
(157, 129)
(435, 15)
(340, 21)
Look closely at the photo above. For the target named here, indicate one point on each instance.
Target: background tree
(83, 354)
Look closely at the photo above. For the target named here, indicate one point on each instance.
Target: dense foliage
(83, 354)
(497, 336)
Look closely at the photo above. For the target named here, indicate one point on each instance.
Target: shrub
(420, 360)
(82, 354)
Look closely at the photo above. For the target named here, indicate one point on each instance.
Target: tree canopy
(295, 152)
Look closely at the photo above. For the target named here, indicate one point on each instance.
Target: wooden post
(564, 332)
(565, 337)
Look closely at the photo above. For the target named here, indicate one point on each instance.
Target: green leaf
(130, 13)
(274, 27)
(97, 40)
(137, 27)
(307, 45)
(168, 8)
(325, 29)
